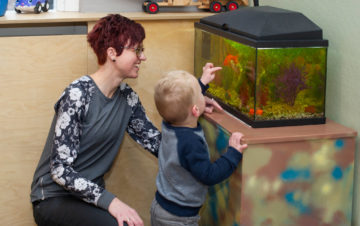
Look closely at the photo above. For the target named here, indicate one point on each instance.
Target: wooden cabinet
(34, 72)
(299, 175)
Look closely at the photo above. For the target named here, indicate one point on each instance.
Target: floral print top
(85, 138)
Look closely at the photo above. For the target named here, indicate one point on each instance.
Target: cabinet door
(34, 72)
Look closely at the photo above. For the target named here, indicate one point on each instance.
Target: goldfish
(251, 111)
(259, 112)
(310, 109)
(230, 58)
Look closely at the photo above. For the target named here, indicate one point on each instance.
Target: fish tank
(273, 65)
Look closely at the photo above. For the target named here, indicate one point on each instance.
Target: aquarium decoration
(274, 65)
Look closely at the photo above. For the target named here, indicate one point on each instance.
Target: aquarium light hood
(265, 26)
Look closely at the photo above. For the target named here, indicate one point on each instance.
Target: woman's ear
(195, 111)
(111, 53)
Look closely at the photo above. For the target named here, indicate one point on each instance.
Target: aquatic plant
(290, 83)
(262, 96)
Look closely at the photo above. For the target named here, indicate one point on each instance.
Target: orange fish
(251, 111)
(310, 109)
(230, 58)
(259, 112)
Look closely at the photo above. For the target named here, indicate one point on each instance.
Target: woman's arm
(140, 128)
(70, 110)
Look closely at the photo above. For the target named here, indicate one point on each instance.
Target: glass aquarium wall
(266, 85)
(290, 83)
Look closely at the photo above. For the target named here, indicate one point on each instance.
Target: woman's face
(128, 63)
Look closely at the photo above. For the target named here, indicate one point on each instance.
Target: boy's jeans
(160, 217)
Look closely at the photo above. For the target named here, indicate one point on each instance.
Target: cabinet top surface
(11, 17)
(329, 130)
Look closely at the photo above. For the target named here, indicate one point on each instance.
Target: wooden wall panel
(34, 72)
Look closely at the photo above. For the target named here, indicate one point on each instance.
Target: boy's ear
(195, 111)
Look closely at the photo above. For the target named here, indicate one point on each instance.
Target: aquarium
(273, 65)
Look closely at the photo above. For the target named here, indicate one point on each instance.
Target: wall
(31, 79)
(341, 26)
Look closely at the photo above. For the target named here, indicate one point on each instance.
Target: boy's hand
(211, 105)
(236, 141)
(209, 73)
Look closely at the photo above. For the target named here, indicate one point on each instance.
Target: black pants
(69, 211)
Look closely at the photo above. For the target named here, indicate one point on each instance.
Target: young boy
(185, 169)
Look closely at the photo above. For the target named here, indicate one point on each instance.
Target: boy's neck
(190, 122)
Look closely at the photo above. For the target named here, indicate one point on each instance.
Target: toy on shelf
(216, 6)
(35, 6)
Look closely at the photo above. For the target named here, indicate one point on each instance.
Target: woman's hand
(209, 73)
(123, 212)
(211, 105)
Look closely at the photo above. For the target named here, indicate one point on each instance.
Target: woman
(90, 120)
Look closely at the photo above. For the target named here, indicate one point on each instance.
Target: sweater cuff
(105, 200)
(203, 87)
(234, 156)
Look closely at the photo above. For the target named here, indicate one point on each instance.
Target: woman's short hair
(114, 31)
(175, 95)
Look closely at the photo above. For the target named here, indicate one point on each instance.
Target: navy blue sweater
(185, 169)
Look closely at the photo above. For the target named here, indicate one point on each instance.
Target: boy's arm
(195, 158)
(207, 76)
(203, 86)
(209, 73)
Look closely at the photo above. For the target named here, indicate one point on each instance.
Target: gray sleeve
(105, 200)
(70, 110)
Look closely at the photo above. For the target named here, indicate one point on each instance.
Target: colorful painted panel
(295, 183)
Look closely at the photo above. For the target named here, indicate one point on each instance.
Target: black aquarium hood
(265, 26)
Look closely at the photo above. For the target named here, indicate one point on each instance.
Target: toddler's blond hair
(175, 95)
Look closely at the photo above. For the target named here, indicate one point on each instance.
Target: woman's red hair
(114, 31)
